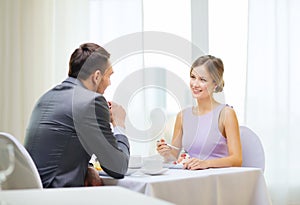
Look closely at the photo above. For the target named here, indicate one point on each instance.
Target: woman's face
(201, 83)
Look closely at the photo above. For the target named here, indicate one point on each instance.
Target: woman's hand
(183, 158)
(163, 149)
(194, 164)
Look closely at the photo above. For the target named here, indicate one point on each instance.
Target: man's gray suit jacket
(69, 123)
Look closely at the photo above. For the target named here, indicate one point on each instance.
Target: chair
(25, 174)
(253, 152)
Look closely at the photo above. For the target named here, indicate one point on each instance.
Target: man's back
(52, 142)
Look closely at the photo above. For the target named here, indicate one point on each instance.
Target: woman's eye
(192, 76)
(203, 79)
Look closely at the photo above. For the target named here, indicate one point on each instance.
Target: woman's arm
(167, 152)
(177, 135)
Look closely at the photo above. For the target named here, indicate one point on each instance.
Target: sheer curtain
(26, 60)
(36, 40)
(272, 99)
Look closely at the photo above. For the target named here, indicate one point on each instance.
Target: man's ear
(97, 76)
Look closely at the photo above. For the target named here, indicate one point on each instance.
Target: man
(72, 121)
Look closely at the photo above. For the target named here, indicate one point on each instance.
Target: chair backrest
(25, 174)
(253, 152)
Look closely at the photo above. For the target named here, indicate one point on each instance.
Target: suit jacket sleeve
(92, 123)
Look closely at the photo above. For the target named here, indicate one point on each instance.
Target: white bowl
(135, 161)
(152, 164)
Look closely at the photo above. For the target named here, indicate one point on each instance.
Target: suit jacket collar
(74, 81)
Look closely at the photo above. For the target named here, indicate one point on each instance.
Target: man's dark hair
(86, 59)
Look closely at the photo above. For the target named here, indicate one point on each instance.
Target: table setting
(153, 177)
(146, 166)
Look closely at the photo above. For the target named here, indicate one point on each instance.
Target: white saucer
(154, 172)
(135, 166)
(130, 171)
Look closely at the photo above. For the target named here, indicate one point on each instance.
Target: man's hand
(92, 178)
(118, 114)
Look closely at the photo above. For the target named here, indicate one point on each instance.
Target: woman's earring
(215, 89)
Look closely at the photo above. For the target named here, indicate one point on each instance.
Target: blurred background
(258, 42)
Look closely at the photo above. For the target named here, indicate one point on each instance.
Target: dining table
(214, 186)
(77, 196)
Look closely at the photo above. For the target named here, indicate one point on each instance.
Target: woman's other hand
(194, 164)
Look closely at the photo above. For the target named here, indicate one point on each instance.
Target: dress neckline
(206, 114)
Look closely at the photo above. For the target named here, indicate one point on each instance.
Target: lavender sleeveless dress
(201, 137)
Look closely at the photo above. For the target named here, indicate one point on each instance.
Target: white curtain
(26, 60)
(110, 22)
(272, 98)
(36, 40)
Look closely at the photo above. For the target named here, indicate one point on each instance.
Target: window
(142, 36)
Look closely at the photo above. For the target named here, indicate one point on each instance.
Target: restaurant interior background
(258, 42)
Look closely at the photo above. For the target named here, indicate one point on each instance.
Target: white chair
(253, 152)
(25, 174)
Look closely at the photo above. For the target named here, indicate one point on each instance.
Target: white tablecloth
(76, 196)
(241, 186)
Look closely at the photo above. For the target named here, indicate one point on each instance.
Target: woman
(209, 132)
